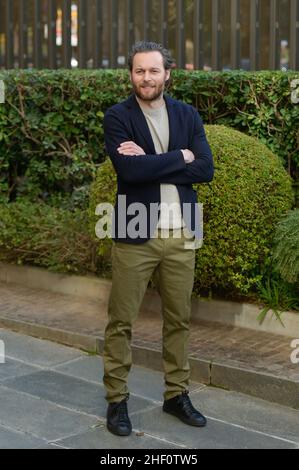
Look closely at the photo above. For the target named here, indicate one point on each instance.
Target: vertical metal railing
(254, 34)
(82, 33)
(37, 33)
(44, 23)
(235, 34)
(9, 52)
(274, 57)
(98, 49)
(216, 32)
(113, 33)
(294, 35)
(23, 28)
(130, 33)
(52, 53)
(198, 35)
(164, 22)
(180, 33)
(66, 34)
(146, 18)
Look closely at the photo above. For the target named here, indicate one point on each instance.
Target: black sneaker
(181, 407)
(118, 421)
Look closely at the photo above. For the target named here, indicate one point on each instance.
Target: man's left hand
(130, 148)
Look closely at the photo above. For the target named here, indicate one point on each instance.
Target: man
(158, 148)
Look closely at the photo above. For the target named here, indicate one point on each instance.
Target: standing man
(158, 148)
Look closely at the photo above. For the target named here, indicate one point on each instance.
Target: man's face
(148, 76)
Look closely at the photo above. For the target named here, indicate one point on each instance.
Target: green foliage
(52, 148)
(102, 191)
(241, 206)
(51, 139)
(257, 103)
(286, 247)
(36, 234)
(278, 296)
(250, 192)
(51, 134)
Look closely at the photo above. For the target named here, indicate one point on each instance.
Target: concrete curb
(261, 385)
(237, 314)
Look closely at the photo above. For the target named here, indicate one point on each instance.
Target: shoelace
(187, 405)
(123, 411)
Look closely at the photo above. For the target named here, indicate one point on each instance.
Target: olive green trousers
(172, 262)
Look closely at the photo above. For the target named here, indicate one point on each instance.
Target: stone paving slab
(145, 383)
(249, 413)
(14, 440)
(76, 394)
(215, 435)
(38, 417)
(222, 355)
(51, 409)
(36, 351)
(53, 446)
(100, 438)
(12, 368)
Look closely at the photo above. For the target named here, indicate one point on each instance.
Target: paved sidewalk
(238, 359)
(52, 397)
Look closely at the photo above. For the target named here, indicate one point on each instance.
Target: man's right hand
(188, 156)
(130, 148)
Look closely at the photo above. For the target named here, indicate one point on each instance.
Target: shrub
(277, 295)
(51, 133)
(286, 247)
(256, 103)
(36, 234)
(250, 192)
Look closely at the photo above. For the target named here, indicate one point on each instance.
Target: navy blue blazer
(139, 177)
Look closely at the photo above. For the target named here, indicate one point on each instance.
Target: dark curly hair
(148, 46)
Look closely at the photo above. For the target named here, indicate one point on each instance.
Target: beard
(152, 95)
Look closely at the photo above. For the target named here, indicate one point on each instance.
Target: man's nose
(147, 76)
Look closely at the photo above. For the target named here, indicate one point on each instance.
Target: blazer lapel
(172, 122)
(140, 124)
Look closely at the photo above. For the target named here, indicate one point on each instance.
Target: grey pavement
(52, 396)
(247, 361)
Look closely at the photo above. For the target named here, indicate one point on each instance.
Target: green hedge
(242, 205)
(51, 135)
(286, 248)
(49, 237)
(250, 193)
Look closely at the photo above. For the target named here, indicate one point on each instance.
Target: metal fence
(201, 34)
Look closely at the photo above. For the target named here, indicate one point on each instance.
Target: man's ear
(167, 78)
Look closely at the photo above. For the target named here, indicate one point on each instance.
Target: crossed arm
(130, 148)
(186, 166)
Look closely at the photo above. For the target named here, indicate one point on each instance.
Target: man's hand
(188, 156)
(130, 148)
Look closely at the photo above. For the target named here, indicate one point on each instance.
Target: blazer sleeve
(137, 169)
(202, 169)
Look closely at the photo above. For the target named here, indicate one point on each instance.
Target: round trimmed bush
(249, 194)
